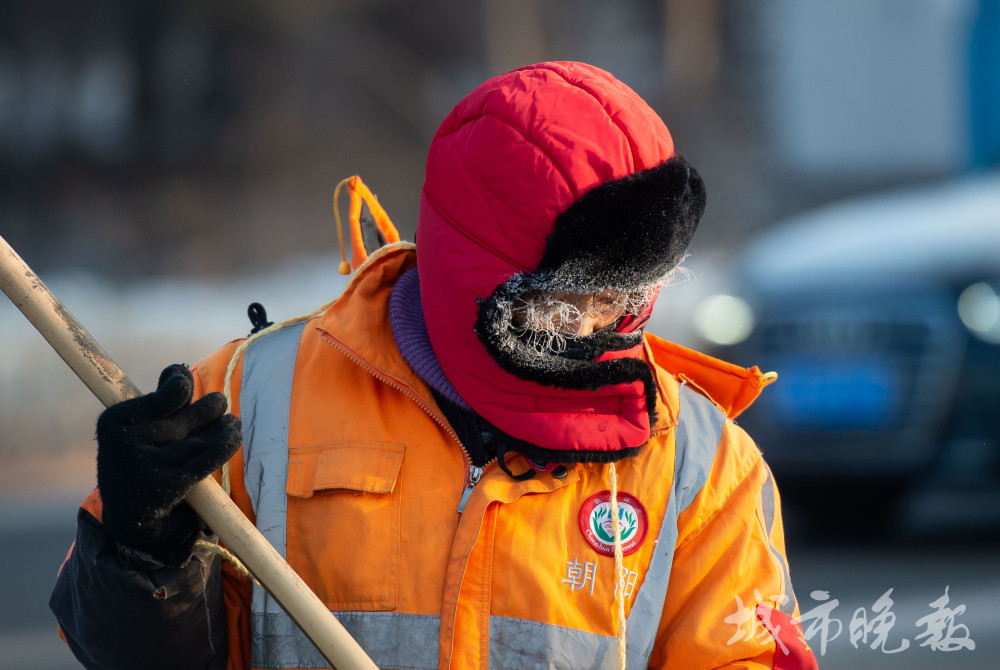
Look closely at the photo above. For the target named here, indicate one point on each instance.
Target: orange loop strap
(359, 193)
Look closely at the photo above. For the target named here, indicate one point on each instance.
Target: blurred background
(164, 164)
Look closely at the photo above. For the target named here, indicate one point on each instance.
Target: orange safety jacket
(351, 471)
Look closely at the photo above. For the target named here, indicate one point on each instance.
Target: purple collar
(407, 318)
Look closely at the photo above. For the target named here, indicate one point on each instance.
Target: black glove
(151, 451)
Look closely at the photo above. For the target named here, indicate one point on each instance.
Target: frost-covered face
(548, 320)
(570, 313)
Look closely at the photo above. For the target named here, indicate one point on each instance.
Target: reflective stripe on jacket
(351, 471)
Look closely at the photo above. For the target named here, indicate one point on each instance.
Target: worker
(474, 456)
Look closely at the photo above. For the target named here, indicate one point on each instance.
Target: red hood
(510, 158)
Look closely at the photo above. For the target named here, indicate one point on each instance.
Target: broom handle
(96, 369)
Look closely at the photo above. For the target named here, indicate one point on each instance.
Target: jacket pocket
(343, 522)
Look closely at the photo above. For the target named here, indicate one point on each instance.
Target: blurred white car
(882, 318)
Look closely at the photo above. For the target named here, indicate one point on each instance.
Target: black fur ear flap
(627, 233)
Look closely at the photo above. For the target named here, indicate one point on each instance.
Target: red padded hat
(555, 176)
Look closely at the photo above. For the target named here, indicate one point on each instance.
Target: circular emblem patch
(595, 522)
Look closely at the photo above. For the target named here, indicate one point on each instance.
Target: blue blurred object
(836, 393)
(984, 89)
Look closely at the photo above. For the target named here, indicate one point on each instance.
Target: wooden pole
(102, 376)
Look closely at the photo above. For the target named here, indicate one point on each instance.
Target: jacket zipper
(475, 472)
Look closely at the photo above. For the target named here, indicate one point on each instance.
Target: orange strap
(359, 193)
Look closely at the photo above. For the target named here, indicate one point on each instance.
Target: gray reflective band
(698, 432)
(265, 400)
(516, 644)
(767, 501)
(519, 643)
(392, 640)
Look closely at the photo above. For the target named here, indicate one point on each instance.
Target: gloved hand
(151, 451)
